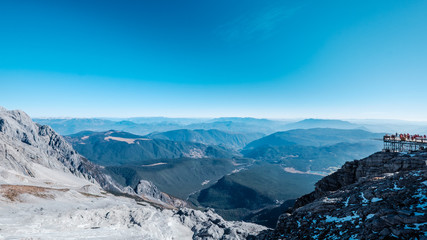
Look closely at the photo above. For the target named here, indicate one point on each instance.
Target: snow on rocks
(71, 215)
(381, 197)
(209, 225)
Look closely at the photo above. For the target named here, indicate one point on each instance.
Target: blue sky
(269, 59)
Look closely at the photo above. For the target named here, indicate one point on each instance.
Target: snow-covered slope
(71, 214)
(48, 191)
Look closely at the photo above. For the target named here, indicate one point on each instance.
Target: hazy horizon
(364, 120)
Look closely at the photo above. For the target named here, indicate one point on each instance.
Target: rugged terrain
(176, 167)
(49, 191)
(380, 197)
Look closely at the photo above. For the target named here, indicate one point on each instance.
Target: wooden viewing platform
(404, 143)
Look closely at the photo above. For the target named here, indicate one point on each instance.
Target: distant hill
(118, 148)
(322, 160)
(242, 194)
(241, 125)
(318, 149)
(314, 137)
(208, 137)
(178, 177)
(322, 123)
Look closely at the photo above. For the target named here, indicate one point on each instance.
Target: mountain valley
(126, 180)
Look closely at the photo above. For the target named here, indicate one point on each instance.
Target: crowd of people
(406, 137)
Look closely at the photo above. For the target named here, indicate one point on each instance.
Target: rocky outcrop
(351, 172)
(24, 145)
(380, 197)
(148, 190)
(209, 225)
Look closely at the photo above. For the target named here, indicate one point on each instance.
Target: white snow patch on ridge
(154, 164)
(126, 140)
(293, 170)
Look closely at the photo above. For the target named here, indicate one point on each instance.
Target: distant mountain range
(147, 125)
(323, 123)
(181, 163)
(176, 167)
(144, 126)
(314, 137)
(297, 157)
(112, 148)
(318, 149)
(69, 126)
(209, 137)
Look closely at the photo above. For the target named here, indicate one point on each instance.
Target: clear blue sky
(272, 59)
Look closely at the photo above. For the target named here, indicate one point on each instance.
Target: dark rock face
(383, 196)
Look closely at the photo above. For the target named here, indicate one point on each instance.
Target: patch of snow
(330, 200)
(154, 164)
(346, 202)
(237, 170)
(364, 200)
(375, 199)
(293, 170)
(353, 237)
(417, 226)
(126, 140)
(343, 219)
(195, 153)
(397, 188)
(422, 198)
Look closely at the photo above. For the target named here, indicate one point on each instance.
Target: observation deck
(404, 143)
